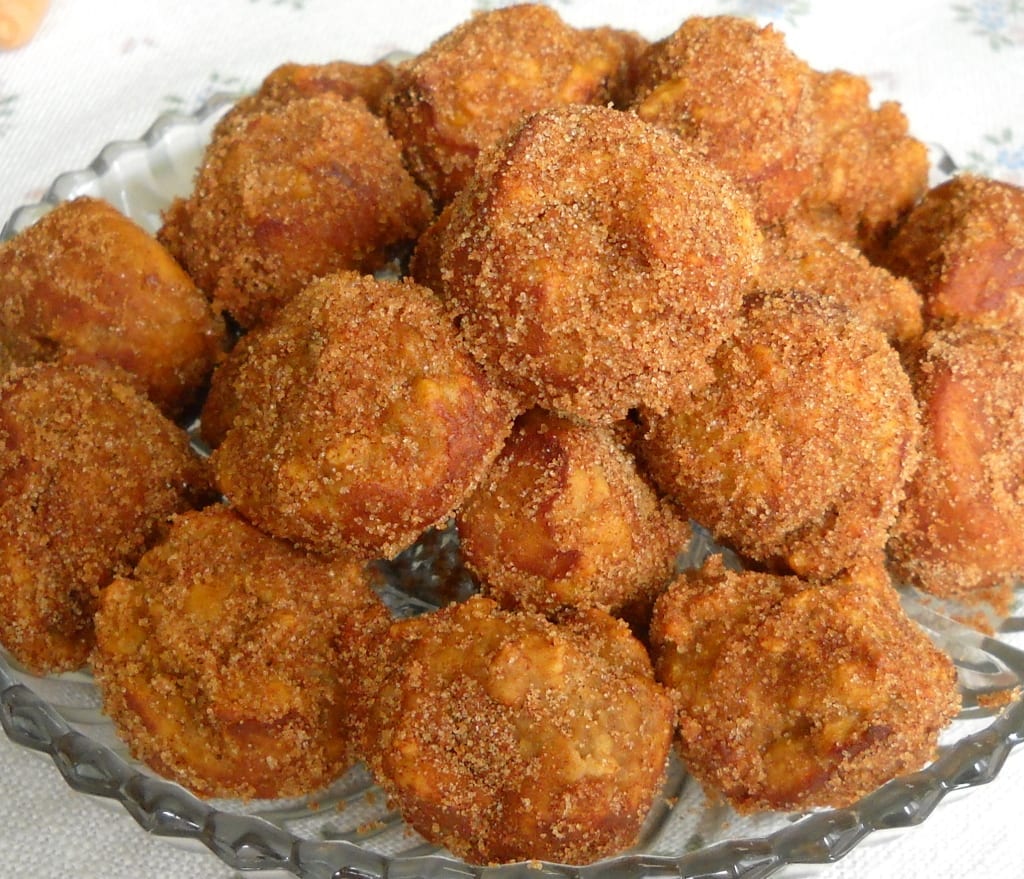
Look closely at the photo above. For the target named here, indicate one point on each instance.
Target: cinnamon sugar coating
(960, 532)
(360, 419)
(467, 90)
(870, 170)
(594, 262)
(793, 695)
(87, 283)
(221, 403)
(963, 248)
(807, 145)
(802, 257)
(506, 737)
(288, 194)
(738, 95)
(796, 695)
(563, 519)
(224, 659)
(90, 470)
(291, 81)
(798, 452)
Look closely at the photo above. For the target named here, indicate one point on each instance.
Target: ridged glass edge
(251, 843)
(71, 182)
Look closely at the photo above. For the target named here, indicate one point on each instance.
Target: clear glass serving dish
(348, 831)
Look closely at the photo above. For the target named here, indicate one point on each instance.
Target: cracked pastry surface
(594, 262)
(564, 519)
(223, 659)
(807, 145)
(794, 694)
(89, 472)
(359, 420)
(505, 737)
(797, 454)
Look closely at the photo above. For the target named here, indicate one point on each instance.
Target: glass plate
(348, 831)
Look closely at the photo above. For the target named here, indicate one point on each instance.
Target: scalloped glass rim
(140, 178)
(249, 842)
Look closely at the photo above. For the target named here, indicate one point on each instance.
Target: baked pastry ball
(797, 454)
(594, 262)
(563, 519)
(960, 532)
(869, 170)
(469, 88)
(963, 248)
(87, 283)
(360, 419)
(505, 737)
(805, 144)
(802, 257)
(291, 81)
(794, 695)
(90, 470)
(299, 190)
(224, 659)
(738, 95)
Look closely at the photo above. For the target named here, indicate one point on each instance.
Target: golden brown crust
(425, 259)
(624, 48)
(963, 248)
(89, 472)
(6, 361)
(736, 93)
(594, 262)
(802, 257)
(361, 421)
(807, 145)
(466, 91)
(299, 190)
(85, 282)
(563, 519)
(220, 406)
(797, 454)
(960, 533)
(290, 81)
(869, 170)
(794, 695)
(505, 737)
(224, 659)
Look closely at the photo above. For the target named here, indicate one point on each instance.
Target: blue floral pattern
(1001, 22)
(7, 103)
(215, 84)
(999, 155)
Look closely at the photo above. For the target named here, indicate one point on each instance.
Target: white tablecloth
(103, 70)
